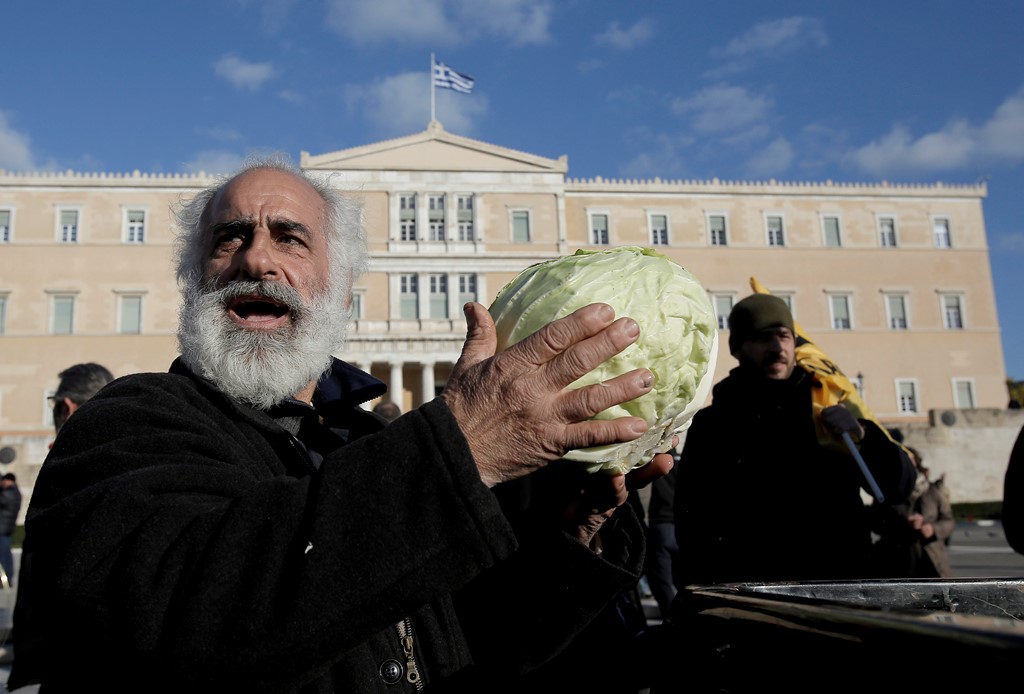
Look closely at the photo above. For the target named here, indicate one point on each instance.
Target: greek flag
(446, 78)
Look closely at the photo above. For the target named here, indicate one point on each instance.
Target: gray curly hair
(343, 225)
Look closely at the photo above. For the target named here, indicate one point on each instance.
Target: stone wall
(972, 448)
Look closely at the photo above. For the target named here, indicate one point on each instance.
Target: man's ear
(71, 405)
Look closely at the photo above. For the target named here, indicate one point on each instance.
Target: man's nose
(257, 260)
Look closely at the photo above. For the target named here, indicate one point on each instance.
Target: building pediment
(434, 149)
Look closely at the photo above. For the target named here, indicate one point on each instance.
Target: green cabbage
(678, 337)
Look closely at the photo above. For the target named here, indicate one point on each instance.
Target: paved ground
(977, 550)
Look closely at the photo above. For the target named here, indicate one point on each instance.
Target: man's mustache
(275, 292)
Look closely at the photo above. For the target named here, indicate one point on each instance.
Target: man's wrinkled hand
(515, 409)
(601, 494)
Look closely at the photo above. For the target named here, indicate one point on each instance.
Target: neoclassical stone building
(892, 281)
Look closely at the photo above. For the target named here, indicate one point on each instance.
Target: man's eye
(228, 237)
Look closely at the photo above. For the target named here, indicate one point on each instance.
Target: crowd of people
(244, 522)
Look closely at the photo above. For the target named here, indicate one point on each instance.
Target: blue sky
(915, 90)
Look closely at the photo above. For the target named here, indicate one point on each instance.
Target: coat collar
(342, 386)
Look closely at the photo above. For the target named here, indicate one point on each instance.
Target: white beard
(260, 368)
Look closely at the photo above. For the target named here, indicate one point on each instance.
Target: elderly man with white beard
(242, 524)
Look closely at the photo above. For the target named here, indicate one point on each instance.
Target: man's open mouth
(256, 311)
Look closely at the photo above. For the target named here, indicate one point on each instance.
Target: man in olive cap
(758, 498)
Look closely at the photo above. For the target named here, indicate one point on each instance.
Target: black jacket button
(391, 671)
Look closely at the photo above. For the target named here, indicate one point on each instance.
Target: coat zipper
(412, 675)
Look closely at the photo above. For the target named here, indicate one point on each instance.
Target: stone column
(364, 366)
(395, 386)
(427, 382)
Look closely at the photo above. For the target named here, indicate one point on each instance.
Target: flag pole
(430, 73)
(875, 491)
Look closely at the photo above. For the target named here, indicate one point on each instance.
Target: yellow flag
(835, 388)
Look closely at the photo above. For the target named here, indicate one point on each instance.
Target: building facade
(892, 281)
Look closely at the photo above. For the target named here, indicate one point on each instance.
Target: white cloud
(774, 159)
(776, 36)
(15, 148)
(400, 105)
(1010, 242)
(663, 163)
(243, 74)
(520, 22)
(723, 108)
(440, 22)
(958, 145)
(1003, 135)
(626, 39)
(292, 97)
(214, 162)
(273, 13)
(658, 154)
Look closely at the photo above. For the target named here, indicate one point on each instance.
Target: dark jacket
(901, 551)
(10, 506)
(1013, 496)
(759, 499)
(661, 506)
(183, 542)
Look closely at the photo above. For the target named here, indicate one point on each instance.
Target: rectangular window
(775, 235)
(599, 229)
(467, 289)
(952, 311)
(788, 298)
(5, 226)
(941, 229)
(659, 229)
(48, 407)
(841, 313)
(131, 314)
(407, 217)
(135, 226)
(3, 314)
(436, 217)
(408, 297)
(465, 204)
(723, 307)
(887, 232)
(906, 392)
(963, 393)
(355, 307)
(62, 319)
(68, 226)
(896, 307)
(830, 227)
(520, 226)
(438, 296)
(716, 230)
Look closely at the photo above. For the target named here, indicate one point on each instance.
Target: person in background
(663, 551)
(1013, 496)
(388, 410)
(78, 383)
(913, 536)
(241, 523)
(10, 507)
(757, 496)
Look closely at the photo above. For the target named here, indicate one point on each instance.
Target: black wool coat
(179, 541)
(758, 498)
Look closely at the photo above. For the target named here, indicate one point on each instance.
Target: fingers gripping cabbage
(678, 337)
